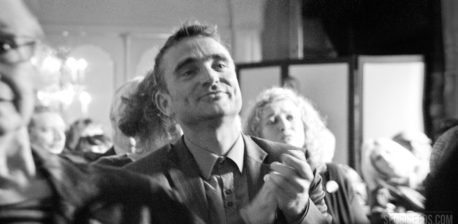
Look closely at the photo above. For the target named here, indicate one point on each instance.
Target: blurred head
(47, 130)
(82, 128)
(415, 141)
(122, 143)
(280, 114)
(140, 119)
(19, 35)
(386, 161)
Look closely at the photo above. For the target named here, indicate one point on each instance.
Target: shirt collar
(206, 159)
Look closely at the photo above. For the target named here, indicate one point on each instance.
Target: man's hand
(292, 178)
(262, 209)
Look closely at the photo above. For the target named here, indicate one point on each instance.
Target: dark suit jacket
(114, 160)
(88, 192)
(174, 166)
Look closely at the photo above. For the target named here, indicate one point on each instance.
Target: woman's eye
(271, 121)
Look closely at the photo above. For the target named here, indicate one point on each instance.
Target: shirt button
(228, 191)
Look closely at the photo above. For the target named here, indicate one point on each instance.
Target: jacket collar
(185, 175)
(256, 168)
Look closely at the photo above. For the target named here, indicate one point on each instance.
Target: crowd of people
(180, 151)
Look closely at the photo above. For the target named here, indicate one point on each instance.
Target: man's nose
(210, 76)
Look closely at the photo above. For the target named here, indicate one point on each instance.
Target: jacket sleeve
(316, 211)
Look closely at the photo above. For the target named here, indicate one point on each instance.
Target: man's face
(47, 132)
(200, 77)
(17, 33)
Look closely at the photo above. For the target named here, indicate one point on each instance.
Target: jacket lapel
(186, 179)
(256, 169)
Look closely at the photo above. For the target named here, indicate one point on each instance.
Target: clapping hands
(286, 187)
(291, 178)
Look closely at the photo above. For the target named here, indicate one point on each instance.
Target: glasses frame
(14, 50)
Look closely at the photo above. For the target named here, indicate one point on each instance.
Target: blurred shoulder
(153, 162)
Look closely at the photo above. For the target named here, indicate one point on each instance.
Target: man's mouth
(213, 95)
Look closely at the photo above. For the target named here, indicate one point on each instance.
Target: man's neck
(215, 136)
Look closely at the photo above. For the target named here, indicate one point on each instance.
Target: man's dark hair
(143, 115)
(186, 31)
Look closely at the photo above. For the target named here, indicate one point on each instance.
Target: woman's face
(281, 122)
(48, 132)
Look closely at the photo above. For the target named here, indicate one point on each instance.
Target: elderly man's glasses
(17, 49)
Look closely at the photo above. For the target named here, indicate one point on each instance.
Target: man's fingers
(296, 153)
(284, 169)
(299, 164)
(289, 184)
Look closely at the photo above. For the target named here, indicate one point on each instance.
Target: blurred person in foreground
(281, 115)
(390, 171)
(441, 190)
(136, 135)
(40, 187)
(47, 130)
(222, 175)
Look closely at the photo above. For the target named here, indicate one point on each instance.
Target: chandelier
(61, 80)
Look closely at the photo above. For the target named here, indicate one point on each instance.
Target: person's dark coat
(90, 192)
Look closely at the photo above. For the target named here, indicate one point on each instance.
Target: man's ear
(163, 103)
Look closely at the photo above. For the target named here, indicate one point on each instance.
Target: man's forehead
(195, 47)
(16, 19)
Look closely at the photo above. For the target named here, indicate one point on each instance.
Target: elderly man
(39, 187)
(223, 175)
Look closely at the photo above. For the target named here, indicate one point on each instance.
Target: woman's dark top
(342, 203)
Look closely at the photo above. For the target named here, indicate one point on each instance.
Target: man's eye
(219, 65)
(187, 73)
